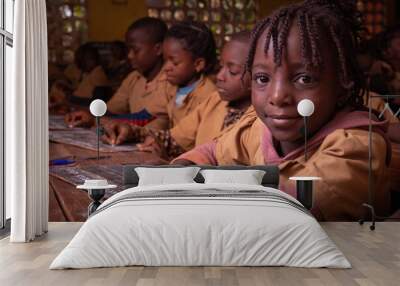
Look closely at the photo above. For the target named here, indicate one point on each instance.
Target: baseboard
(4, 232)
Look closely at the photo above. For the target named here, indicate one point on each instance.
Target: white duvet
(206, 230)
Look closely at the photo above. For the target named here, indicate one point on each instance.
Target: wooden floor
(375, 257)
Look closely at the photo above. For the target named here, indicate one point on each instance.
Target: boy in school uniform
(119, 67)
(92, 75)
(286, 66)
(144, 95)
(73, 74)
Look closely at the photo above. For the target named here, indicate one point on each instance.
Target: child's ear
(199, 64)
(158, 49)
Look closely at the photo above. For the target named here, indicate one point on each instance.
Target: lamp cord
(370, 204)
(305, 139)
(98, 136)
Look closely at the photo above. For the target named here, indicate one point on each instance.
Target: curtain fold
(27, 124)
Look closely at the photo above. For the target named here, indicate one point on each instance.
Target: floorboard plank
(375, 257)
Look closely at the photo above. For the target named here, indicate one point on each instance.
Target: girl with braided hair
(307, 51)
(190, 57)
(189, 53)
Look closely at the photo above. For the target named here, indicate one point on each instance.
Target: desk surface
(66, 203)
(374, 255)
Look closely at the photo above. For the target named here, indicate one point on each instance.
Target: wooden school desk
(66, 203)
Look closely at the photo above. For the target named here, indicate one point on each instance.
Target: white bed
(201, 224)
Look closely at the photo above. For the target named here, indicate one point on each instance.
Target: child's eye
(261, 79)
(305, 79)
(234, 73)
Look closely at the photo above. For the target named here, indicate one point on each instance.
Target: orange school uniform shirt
(337, 154)
(202, 125)
(73, 74)
(203, 90)
(136, 94)
(90, 81)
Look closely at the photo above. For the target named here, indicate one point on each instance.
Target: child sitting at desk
(190, 55)
(119, 67)
(306, 51)
(88, 61)
(146, 90)
(210, 118)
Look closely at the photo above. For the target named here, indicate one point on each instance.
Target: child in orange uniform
(190, 55)
(144, 94)
(306, 51)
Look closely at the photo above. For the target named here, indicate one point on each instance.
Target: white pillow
(249, 177)
(162, 176)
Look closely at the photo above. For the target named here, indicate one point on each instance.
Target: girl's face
(143, 54)
(276, 90)
(229, 78)
(180, 66)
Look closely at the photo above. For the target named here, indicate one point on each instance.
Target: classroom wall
(108, 21)
(267, 6)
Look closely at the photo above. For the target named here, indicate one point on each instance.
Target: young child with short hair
(92, 75)
(144, 95)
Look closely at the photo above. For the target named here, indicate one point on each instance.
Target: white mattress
(190, 230)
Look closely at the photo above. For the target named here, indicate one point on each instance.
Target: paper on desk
(56, 122)
(87, 139)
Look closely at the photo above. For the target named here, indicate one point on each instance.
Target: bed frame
(270, 179)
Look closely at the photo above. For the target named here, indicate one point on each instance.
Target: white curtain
(26, 124)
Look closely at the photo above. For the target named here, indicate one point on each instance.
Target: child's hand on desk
(150, 144)
(80, 118)
(116, 133)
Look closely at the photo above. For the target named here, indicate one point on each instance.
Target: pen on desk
(58, 162)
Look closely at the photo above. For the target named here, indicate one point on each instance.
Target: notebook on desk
(86, 139)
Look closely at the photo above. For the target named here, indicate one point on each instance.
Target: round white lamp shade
(305, 107)
(98, 107)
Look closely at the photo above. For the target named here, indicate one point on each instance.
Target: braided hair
(338, 19)
(198, 40)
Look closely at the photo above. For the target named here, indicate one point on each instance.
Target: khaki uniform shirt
(135, 94)
(202, 125)
(90, 81)
(73, 74)
(341, 160)
(202, 92)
